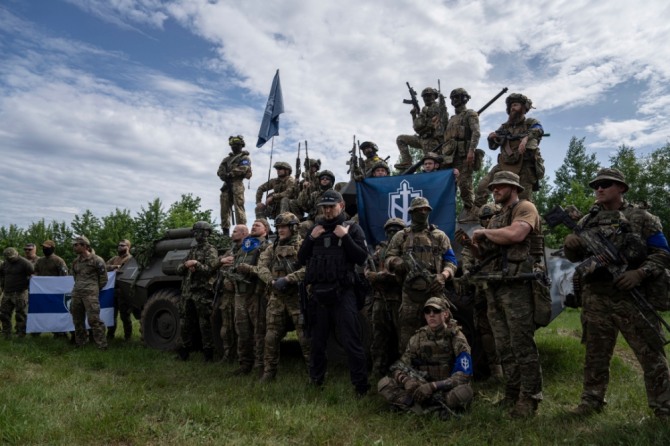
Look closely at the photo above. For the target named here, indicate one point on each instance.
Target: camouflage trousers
(464, 180)
(87, 306)
(280, 309)
(385, 319)
(228, 335)
(201, 305)
(404, 142)
(14, 302)
(606, 312)
(527, 179)
(238, 203)
(410, 317)
(484, 328)
(121, 308)
(510, 311)
(394, 392)
(250, 328)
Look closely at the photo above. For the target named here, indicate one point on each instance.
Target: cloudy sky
(112, 103)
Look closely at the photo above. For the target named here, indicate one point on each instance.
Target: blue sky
(110, 104)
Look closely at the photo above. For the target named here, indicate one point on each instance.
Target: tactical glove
(462, 237)
(437, 286)
(573, 242)
(397, 266)
(243, 268)
(411, 385)
(423, 392)
(280, 284)
(630, 279)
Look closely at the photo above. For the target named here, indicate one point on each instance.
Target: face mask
(419, 218)
(47, 251)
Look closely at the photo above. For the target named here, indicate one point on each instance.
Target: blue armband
(449, 256)
(658, 240)
(537, 126)
(463, 364)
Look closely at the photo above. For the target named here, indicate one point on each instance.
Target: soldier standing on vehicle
(519, 142)
(250, 300)
(386, 300)
(308, 201)
(429, 135)
(460, 141)
(607, 305)
(90, 276)
(440, 350)
(234, 168)
(15, 274)
(507, 239)
(226, 287)
(423, 255)
(370, 150)
(198, 271)
(308, 181)
(121, 306)
(281, 187)
(278, 268)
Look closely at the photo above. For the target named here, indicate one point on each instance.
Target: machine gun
(414, 101)
(606, 255)
(445, 412)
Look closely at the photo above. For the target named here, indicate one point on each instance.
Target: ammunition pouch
(326, 293)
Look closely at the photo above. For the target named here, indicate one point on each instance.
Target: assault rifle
(437, 397)
(444, 114)
(415, 268)
(298, 165)
(606, 255)
(414, 101)
(353, 160)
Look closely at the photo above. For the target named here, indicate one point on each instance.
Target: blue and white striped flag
(49, 304)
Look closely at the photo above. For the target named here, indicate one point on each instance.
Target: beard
(515, 116)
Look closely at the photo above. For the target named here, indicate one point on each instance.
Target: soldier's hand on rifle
(317, 231)
(269, 200)
(573, 242)
(462, 237)
(371, 276)
(397, 266)
(226, 261)
(228, 285)
(423, 392)
(340, 231)
(244, 268)
(280, 284)
(190, 263)
(411, 385)
(522, 145)
(630, 279)
(437, 285)
(435, 121)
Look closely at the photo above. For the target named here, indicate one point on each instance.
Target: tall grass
(51, 393)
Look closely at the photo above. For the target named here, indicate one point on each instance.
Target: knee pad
(460, 396)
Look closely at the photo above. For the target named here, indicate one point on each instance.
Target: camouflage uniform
(511, 307)
(280, 260)
(461, 136)
(281, 188)
(250, 305)
(427, 137)
(432, 250)
(197, 291)
(529, 165)
(308, 200)
(444, 355)
(90, 276)
(291, 203)
(227, 307)
(233, 170)
(14, 280)
(608, 310)
(121, 306)
(51, 266)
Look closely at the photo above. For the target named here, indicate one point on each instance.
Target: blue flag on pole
(385, 197)
(274, 108)
(49, 303)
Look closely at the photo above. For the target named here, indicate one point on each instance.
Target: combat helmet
(202, 226)
(419, 202)
(236, 141)
(369, 145)
(429, 91)
(287, 219)
(461, 93)
(487, 211)
(326, 173)
(283, 165)
(521, 99)
(379, 164)
(394, 222)
(315, 162)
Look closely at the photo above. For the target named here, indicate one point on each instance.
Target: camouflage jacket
(15, 275)
(118, 261)
(384, 283)
(237, 165)
(462, 132)
(202, 278)
(511, 135)
(249, 254)
(281, 260)
(307, 201)
(51, 266)
(280, 187)
(423, 123)
(90, 274)
(435, 352)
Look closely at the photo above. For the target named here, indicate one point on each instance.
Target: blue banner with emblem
(385, 197)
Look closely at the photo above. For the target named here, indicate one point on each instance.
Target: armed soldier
(281, 186)
(233, 170)
(121, 306)
(278, 268)
(198, 270)
(423, 255)
(460, 142)
(429, 134)
(250, 300)
(15, 274)
(435, 368)
(370, 150)
(386, 300)
(519, 142)
(308, 201)
(607, 304)
(307, 182)
(506, 245)
(225, 286)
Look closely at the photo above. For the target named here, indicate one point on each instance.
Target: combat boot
(524, 408)
(586, 409)
(496, 373)
(241, 370)
(267, 377)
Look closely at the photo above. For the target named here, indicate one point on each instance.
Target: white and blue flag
(49, 304)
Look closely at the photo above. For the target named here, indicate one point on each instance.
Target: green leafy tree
(150, 223)
(87, 225)
(186, 211)
(578, 168)
(12, 237)
(118, 225)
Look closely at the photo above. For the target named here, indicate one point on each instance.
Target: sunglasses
(605, 184)
(431, 310)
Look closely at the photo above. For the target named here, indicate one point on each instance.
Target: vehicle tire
(159, 324)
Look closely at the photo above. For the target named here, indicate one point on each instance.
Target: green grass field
(51, 393)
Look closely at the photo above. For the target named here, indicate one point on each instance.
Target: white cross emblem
(400, 200)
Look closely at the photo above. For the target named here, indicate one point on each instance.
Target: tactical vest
(328, 263)
(250, 258)
(436, 354)
(509, 152)
(284, 258)
(458, 134)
